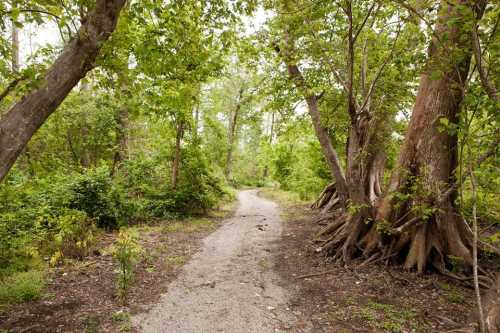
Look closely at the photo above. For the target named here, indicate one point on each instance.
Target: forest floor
(253, 272)
(81, 295)
(334, 298)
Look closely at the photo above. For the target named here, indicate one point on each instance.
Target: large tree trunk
(428, 158)
(417, 220)
(24, 118)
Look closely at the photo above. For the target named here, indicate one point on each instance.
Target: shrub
(17, 245)
(22, 287)
(74, 237)
(94, 194)
(126, 253)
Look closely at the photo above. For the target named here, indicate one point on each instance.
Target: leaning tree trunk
(24, 118)
(329, 151)
(417, 220)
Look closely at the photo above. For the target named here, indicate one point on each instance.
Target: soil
(335, 298)
(255, 272)
(81, 296)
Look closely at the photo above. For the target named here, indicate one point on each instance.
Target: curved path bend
(229, 285)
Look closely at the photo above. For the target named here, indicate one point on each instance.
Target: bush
(301, 169)
(126, 253)
(22, 287)
(74, 237)
(94, 194)
(17, 245)
(198, 189)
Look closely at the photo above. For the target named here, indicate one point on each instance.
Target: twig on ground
(315, 274)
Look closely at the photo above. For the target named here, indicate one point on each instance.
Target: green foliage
(166, 92)
(126, 252)
(299, 167)
(75, 236)
(390, 318)
(22, 287)
(55, 216)
(123, 320)
(94, 194)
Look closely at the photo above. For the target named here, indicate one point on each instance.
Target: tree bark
(177, 154)
(428, 157)
(231, 135)
(24, 118)
(311, 99)
(122, 121)
(15, 48)
(329, 152)
(415, 221)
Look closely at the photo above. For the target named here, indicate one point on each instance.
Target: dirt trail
(228, 286)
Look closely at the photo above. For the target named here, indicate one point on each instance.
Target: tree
(317, 36)
(25, 117)
(417, 220)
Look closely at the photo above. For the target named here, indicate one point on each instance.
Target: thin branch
(39, 11)
(482, 324)
(351, 107)
(379, 73)
(487, 84)
(360, 28)
(414, 11)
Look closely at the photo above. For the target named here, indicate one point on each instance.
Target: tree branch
(486, 82)
(39, 11)
(360, 28)
(379, 73)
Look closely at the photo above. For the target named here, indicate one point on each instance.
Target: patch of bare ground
(334, 298)
(81, 296)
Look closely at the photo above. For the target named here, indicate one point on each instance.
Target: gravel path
(228, 286)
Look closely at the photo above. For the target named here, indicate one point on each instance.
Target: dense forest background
(147, 110)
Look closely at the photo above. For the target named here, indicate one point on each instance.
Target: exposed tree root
(329, 200)
(442, 241)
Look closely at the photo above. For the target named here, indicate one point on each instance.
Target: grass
(284, 198)
(91, 324)
(123, 320)
(188, 225)
(390, 318)
(451, 294)
(22, 287)
(175, 260)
